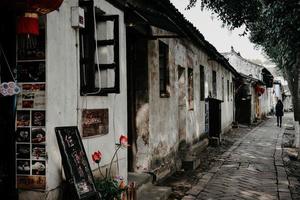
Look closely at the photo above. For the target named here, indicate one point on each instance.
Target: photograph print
(23, 135)
(31, 71)
(23, 151)
(38, 152)
(38, 167)
(23, 118)
(38, 135)
(38, 118)
(23, 167)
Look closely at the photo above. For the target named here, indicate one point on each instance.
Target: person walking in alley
(279, 112)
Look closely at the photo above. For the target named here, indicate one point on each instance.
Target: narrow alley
(252, 168)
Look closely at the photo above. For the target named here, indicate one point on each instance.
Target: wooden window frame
(228, 90)
(190, 82)
(214, 83)
(223, 88)
(88, 67)
(202, 83)
(164, 72)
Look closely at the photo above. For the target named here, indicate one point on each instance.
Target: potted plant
(110, 188)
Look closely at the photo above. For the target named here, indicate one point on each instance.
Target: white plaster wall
(266, 101)
(163, 123)
(64, 103)
(61, 80)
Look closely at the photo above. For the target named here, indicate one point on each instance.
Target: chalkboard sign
(75, 163)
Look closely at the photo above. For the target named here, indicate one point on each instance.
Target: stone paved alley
(252, 168)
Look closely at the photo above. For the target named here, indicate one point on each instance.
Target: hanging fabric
(8, 88)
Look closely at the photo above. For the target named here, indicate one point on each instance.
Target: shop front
(49, 80)
(22, 96)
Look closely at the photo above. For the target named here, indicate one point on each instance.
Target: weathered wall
(244, 66)
(64, 103)
(171, 120)
(266, 101)
(253, 70)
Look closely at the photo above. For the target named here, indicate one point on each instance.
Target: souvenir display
(31, 114)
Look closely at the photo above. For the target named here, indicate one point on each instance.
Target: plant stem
(119, 146)
(100, 170)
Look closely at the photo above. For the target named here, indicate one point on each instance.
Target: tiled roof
(166, 9)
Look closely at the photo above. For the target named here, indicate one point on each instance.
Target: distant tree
(272, 24)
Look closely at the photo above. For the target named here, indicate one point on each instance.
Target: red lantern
(36, 6)
(43, 6)
(28, 24)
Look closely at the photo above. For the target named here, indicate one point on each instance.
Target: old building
(177, 81)
(134, 68)
(254, 93)
(69, 74)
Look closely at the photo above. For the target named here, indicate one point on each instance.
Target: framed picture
(23, 151)
(31, 71)
(38, 152)
(23, 135)
(23, 167)
(38, 167)
(23, 118)
(38, 118)
(27, 104)
(38, 135)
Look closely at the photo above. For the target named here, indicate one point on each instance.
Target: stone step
(140, 179)
(155, 193)
(190, 163)
(145, 190)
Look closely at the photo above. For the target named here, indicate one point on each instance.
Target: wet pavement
(254, 167)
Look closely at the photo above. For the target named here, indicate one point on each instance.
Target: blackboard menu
(75, 163)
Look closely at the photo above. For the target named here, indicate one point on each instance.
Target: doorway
(138, 99)
(181, 80)
(7, 106)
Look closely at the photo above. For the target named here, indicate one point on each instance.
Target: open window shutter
(107, 47)
(108, 53)
(87, 49)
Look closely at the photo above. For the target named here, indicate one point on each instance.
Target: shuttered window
(99, 52)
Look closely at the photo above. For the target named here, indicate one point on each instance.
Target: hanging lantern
(28, 24)
(41, 7)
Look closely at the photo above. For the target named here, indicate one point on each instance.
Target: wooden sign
(31, 182)
(94, 122)
(75, 163)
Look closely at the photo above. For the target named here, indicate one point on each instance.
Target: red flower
(123, 140)
(97, 156)
(122, 185)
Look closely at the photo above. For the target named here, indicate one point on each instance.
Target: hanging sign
(9, 88)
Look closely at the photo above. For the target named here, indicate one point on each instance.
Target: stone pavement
(251, 169)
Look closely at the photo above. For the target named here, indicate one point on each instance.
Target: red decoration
(97, 156)
(43, 6)
(28, 24)
(259, 90)
(37, 6)
(123, 140)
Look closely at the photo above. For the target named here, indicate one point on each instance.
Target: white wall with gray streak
(171, 119)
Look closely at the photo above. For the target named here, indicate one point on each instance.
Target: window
(223, 92)
(99, 56)
(202, 83)
(164, 82)
(214, 83)
(228, 94)
(191, 89)
(231, 90)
